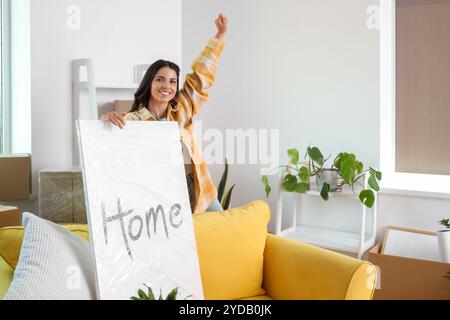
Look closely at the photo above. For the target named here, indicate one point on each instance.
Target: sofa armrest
(298, 271)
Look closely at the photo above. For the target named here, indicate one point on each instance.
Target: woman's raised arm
(194, 91)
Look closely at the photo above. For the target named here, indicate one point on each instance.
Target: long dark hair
(142, 95)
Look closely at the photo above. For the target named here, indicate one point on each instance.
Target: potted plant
(346, 169)
(444, 240)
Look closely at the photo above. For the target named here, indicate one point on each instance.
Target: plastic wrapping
(138, 209)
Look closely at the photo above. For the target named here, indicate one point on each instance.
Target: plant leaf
(316, 156)
(325, 191)
(226, 202)
(265, 180)
(150, 294)
(173, 294)
(367, 197)
(359, 167)
(373, 183)
(348, 167)
(142, 294)
(304, 174)
(445, 223)
(134, 298)
(223, 182)
(377, 174)
(337, 161)
(293, 156)
(289, 182)
(301, 187)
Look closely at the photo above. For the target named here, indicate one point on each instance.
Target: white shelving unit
(354, 242)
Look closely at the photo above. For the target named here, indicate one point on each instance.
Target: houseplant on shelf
(345, 170)
(444, 240)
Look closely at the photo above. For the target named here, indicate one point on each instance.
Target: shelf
(329, 239)
(120, 86)
(347, 194)
(133, 86)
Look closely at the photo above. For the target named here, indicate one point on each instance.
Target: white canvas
(138, 172)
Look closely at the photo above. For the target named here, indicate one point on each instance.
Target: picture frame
(410, 243)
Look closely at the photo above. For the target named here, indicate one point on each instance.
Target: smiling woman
(159, 98)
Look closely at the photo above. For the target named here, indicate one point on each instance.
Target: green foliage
(142, 295)
(348, 167)
(448, 275)
(445, 223)
(225, 198)
(267, 187)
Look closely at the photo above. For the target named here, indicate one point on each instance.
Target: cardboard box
(9, 217)
(402, 278)
(15, 177)
(122, 105)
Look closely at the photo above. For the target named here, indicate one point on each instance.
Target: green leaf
(315, 155)
(373, 183)
(142, 294)
(160, 295)
(293, 155)
(301, 187)
(304, 174)
(223, 182)
(348, 167)
(289, 182)
(325, 191)
(265, 180)
(367, 197)
(172, 295)
(150, 294)
(445, 223)
(377, 174)
(337, 161)
(134, 298)
(359, 167)
(226, 202)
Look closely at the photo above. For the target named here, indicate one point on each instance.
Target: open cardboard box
(401, 278)
(9, 216)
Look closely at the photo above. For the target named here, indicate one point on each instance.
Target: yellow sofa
(240, 260)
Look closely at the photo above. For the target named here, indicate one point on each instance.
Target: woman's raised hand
(222, 26)
(115, 118)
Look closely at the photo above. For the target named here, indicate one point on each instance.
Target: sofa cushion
(230, 247)
(11, 241)
(54, 264)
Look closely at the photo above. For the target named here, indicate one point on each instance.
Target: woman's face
(164, 86)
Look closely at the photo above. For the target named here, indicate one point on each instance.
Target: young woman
(159, 98)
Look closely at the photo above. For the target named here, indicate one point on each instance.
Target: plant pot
(444, 245)
(330, 176)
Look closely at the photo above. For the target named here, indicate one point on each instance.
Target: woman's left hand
(222, 26)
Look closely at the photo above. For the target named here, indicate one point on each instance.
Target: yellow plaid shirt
(192, 95)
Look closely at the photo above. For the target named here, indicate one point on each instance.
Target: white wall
(117, 34)
(310, 69)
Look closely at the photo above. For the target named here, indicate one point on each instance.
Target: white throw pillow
(54, 264)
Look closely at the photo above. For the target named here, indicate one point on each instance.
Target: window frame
(414, 184)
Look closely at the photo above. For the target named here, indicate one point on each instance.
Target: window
(5, 115)
(423, 86)
(415, 95)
